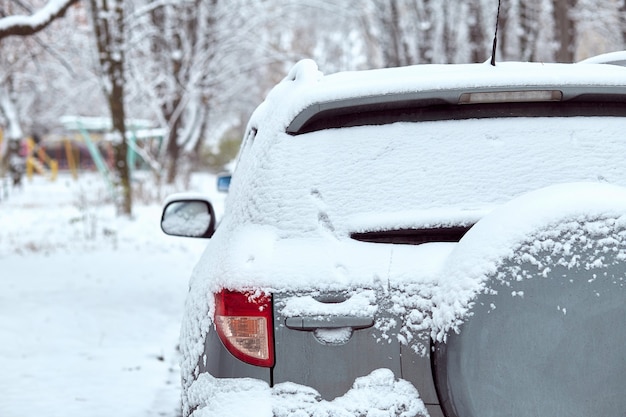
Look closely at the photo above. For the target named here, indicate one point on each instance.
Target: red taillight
(244, 324)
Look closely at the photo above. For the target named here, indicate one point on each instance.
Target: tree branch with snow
(23, 25)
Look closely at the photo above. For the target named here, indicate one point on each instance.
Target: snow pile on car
(378, 394)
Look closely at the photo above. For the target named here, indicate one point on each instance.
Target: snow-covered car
(442, 240)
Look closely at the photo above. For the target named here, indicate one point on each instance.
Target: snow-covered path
(90, 304)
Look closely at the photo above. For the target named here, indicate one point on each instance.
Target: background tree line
(197, 68)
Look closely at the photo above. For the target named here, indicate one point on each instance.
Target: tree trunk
(120, 148)
(564, 29)
(11, 163)
(173, 151)
(395, 34)
(108, 23)
(426, 24)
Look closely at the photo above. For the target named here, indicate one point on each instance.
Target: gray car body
(302, 355)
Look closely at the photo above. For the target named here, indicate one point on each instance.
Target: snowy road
(90, 305)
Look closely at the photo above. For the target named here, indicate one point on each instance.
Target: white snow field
(90, 303)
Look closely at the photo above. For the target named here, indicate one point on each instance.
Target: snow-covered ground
(90, 303)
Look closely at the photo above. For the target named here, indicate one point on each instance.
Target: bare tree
(181, 36)
(564, 29)
(108, 21)
(476, 36)
(598, 27)
(199, 65)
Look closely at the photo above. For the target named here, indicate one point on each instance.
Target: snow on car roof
(305, 84)
(613, 58)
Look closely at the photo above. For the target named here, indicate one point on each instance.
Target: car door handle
(330, 322)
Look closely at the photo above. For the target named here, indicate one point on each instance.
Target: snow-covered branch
(22, 25)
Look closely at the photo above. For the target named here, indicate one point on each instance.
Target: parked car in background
(442, 240)
(223, 182)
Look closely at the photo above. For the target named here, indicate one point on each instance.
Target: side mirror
(188, 217)
(223, 183)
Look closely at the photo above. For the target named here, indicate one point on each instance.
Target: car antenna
(495, 36)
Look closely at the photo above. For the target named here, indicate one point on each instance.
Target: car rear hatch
(326, 339)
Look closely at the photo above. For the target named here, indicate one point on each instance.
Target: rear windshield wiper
(413, 236)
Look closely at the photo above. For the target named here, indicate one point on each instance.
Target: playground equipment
(71, 160)
(88, 127)
(41, 163)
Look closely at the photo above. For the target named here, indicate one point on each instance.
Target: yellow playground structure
(37, 160)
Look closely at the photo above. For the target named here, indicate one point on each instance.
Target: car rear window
(332, 176)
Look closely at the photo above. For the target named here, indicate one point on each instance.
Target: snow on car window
(331, 177)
